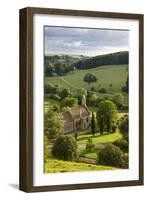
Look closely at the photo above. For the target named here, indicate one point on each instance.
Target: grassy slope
(106, 75)
(54, 165)
(100, 139)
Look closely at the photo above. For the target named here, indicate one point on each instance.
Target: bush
(114, 128)
(124, 126)
(69, 102)
(102, 90)
(122, 144)
(90, 147)
(55, 97)
(126, 160)
(111, 156)
(65, 148)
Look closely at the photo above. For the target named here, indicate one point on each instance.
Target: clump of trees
(65, 148)
(53, 127)
(111, 155)
(69, 102)
(90, 78)
(101, 60)
(122, 144)
(106, 115)
(57, 68)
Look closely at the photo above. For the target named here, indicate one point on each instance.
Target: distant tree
(118, 99)
(65, 148)
(59, 68)
(92, 99)
(56, 108)
(93, 124)
(102, 90)
(106, 115)
(67, 101)
(123, 126)
(51, 89)
(89, 78)
(49, 69)
(53, 127)
(65, 93)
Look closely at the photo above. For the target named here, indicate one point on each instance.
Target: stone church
(76, 119)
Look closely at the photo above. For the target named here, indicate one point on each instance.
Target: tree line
(54, 66)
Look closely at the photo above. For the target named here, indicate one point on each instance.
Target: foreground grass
(54, 166)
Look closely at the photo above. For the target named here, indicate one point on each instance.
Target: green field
(106, 75)
(100, 139)
(53, 165)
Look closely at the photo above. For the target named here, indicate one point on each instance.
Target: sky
(83, 41)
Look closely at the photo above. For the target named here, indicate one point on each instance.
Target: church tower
(84, 101)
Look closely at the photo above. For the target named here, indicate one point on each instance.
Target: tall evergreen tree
(106, 115)
(93, 124)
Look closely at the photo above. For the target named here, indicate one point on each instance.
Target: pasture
(106, 75)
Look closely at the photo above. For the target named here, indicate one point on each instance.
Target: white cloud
(77, 43)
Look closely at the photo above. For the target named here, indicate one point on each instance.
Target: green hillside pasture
(106, 75)
(100, 139)
(53, 166)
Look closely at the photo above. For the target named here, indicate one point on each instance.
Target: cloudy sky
(91, 42)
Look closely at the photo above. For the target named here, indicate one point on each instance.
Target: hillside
(61, 65)
(107, 59)
(106, 75)
(68, 59)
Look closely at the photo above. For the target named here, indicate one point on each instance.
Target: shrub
(65, 148)
(124, 126)
(69, 102)
(114, 128)
(90, 147)
(126, 160)
(111, 156)
(122, 144)
(55, 97)
(102, 90)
